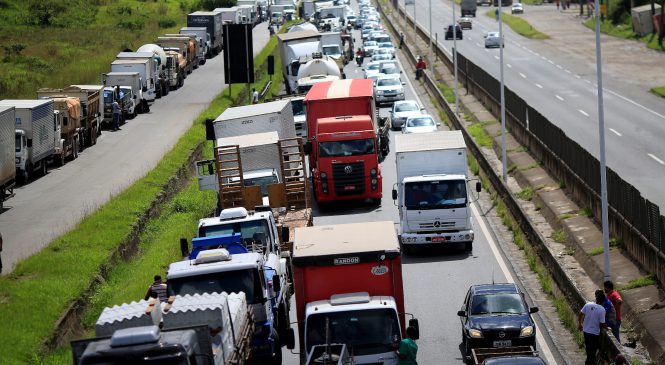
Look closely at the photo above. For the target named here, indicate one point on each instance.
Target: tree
(45, 11)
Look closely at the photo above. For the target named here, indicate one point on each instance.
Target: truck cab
(345, 155)
(253, 227)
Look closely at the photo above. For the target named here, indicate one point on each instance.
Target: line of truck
(62, 122)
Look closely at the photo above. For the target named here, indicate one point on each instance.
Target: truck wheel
(282, 320)
(75, 152)
(468, 246)
(277, 357)
(42, 168)
(61, 160)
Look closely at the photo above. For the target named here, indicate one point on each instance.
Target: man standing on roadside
(420, 67)
(617, 301)
(591, 319)
(255, 96)
(117, 112)
(401, 40)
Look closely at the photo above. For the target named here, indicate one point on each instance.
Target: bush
(131, 24)
(167, 23)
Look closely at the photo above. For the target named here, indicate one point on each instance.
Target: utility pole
(455, 60)
(503, 100)
(429, 59)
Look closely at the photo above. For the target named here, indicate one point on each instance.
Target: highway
(435, 279)
(52, 205)
(564, 90)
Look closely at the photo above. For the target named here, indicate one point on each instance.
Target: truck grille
(438, 225)
(494, 334)
(349, 182)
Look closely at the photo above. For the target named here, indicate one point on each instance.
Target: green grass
(586, 212)
(596, 251)
(569, 318)
(479, 135)
(660, 91)
(559, 236)
(526, 193)
(565, 216)
(448, 92)
(640, 282)
(624, 30)
(473, 164)
(41, 287)
(519, 26)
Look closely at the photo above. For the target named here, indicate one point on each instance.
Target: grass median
(42, 287)
(519, 26)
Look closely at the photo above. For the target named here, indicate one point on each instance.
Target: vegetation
(620, 25)
(559, 236)
(519, 25)
(56, 43)
(640, 282)
(660, 91)
(479, 135)
(586, 212)
(526, 193)
(596, 251)
(35, 295)
(448, 92)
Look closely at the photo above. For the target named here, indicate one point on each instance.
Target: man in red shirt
(420, 66)
(616, 300)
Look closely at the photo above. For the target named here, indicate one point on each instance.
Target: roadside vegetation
(660, 91)
(42, 287)
(519, 25)
(618, 23)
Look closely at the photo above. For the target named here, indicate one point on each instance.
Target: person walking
(420, 67)
(255, 96)
(617, 301)
(401, 40)
(590, 320)
(408, 349)
(117, 113)
(157, 290)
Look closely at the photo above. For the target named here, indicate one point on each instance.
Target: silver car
(402, 110)
(492, 40)
(388, 89)
(420, 124)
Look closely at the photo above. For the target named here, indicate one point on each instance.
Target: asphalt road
(564, 90)
(435, 280)
(52, 205)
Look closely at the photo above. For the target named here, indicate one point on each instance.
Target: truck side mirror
(479, 186)
(210, 130)
(533, 310)
(184, 247)
(394, 194)
(461, 313)
(290, 339)
(307, 148)
(413, 322)
(29, 143)
(285, 234)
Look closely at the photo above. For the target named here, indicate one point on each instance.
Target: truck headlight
(372, 172)
(526, 331)
(324, 175)
(379, 92)
(374, 181)
(474, 333)
(18, 160)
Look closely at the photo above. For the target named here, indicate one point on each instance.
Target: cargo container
(7, 153)
(274, 116)
(212, 20)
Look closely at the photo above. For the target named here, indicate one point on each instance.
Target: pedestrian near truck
(617, 301)
(408, 349)
(590, 320)
(157, 290)
(117, 114)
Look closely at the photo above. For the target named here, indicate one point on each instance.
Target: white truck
(145, 66)
(167, 64)
(132, 80)
(247, 16)
(331, 46)
(212, 20)
(211, 328)
(296, 48)
(431, 190)
(316, 70)
(252, 10)
(203, 38)
(274, 116)
(230, 15)
(7, 153)
(34, 135)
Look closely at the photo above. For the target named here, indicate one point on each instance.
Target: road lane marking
(584, 113)
(587, 81)
(558, 97)
(544, 58)
(568, 71)
(656, 159)
(509, 65)
(497, 57)
(550, 61)
(559, 67)
(523, 75)
(487, 50)
(542, 344)
(539, 86)
(636, 103)
(478, 44)
(578, 76)
(537, 54)
(615, 132)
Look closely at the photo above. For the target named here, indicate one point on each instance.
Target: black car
(496, 315)
(449, 32)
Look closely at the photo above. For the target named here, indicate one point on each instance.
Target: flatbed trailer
(481, 354)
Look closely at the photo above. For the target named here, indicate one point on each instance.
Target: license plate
(503, 343)
(438, 239)
(351, 187)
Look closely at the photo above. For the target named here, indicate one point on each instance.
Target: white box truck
(203, 38)
(152, 73)
(131, 79)
(34, 135)
(275, 116)
(230, 15)
(7, 154)
(146, 68)
(431, 190)
(212, 20)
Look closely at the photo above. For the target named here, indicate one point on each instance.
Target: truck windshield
(141, 358)
(297, 106)
(435, 194)
(332, 51)
(250, 231)
(108, 97)
(365, 332)
(247, 281)
(263, 182)
(351, 147)
(18, 143)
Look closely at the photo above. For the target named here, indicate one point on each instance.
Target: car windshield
(370, 44)
(365, 332)
(493, 35)
(250, 231)
(247, 281)
(420, 122)
(388, 82)
(386, 45)
(423, 195)
(375, 66)
(406, 107)
(351, 147)
(263, 182)
(503, 303)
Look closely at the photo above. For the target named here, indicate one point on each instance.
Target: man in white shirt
(255, 96)
(591, 319)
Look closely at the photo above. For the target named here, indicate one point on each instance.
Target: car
(372, 68)
(420, 124)
(388, 89)
(496, 315)
(389, 68)
(402, 110)
(351, 20)
(514, 360)
(492, 40)
(465, 23)
(382, 38)
(517, 8)
(382, 57)
(449, 32)
(387, 46)
(369, 47)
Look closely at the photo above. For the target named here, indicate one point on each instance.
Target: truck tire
(75, 151)
(277, 358)
(60, 160)
(283, 322)
(43, 169)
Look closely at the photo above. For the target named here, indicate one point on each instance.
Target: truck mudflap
(481, 354)
(437, 238)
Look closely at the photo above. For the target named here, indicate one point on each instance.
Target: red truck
(348, 287)
(345, 141)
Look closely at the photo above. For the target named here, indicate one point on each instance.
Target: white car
(517, 8)
(420, 124)
(381, 57)
(388, 89)
(492, 40)
(402, 110)
(372, 68)
(369, 47)
(388, 47)
(390, 68)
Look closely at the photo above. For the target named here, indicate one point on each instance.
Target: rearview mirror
(413, 322)
(461, 313)
(290, 339)
(210, 130)
(479, 186)
(307, 147)
(285, 234)
(394, 194)
(184, 247)
(533, 309)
